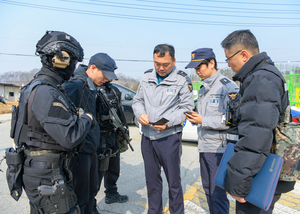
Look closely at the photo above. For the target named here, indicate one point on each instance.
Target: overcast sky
(129, 30)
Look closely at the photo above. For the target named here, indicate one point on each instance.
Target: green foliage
(227, 72)
(136, 86)
(127, 85)
(128, 82)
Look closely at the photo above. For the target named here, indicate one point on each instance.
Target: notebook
(264, 182)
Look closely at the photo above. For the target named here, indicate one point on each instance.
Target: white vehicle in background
(189, 131)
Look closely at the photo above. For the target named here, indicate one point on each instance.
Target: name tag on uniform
(214, 102)
(171, 91)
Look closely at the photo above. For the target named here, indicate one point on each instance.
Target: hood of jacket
(80, 72)
(250, 66)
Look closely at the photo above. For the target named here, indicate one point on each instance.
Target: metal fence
(293, 84)
(196, 87)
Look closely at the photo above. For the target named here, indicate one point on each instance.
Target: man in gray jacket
(213, 95)
(164, 92)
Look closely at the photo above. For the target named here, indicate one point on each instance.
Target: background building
(9, 91)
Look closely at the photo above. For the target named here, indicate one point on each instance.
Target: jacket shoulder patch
(232, 95)
(148, 71)
(225, 81)
(182, 73)
(57, 104)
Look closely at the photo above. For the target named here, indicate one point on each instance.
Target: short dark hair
(241, 37)
(162, 49)
(206, 61)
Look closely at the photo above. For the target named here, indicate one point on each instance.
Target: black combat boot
(115, 198)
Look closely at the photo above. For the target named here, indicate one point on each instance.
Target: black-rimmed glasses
(226, 60)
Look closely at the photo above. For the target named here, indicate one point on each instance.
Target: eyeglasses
(227, 60)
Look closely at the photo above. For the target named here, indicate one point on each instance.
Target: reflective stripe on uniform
(232, 137)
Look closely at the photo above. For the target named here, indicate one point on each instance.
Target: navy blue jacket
(74, 89)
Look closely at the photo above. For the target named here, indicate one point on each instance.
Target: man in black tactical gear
(109, 96)
(85, 166)
(48, 127)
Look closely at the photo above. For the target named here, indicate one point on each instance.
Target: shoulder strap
(24, 123)
(148, 71)
(30, 88)
(224, 81)
(27, 93)
(182, 73)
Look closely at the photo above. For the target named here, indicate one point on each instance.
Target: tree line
(23, 77)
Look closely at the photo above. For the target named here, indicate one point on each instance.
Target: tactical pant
(165, 153)
(112, 174)
(84, 168)
(37, 173)
(216, 196)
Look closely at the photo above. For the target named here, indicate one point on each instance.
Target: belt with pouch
(32, 162)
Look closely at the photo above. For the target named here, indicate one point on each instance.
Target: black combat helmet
(59, 52)
(55, 41)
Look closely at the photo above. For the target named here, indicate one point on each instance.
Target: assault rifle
(114, 118)
(117, 124)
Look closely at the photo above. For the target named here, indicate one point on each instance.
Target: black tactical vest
(25, 129)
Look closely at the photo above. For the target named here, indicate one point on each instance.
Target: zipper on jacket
(222, 139)
(162, 94)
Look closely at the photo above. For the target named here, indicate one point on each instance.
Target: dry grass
(4, 109)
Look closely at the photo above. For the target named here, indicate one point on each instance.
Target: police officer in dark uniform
(85, 166)
(49, 128)
(110, 97)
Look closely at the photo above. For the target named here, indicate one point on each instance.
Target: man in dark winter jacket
(85, 166)
(255, 117)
